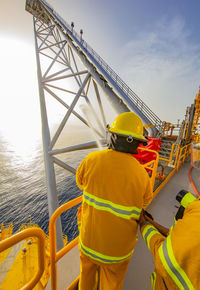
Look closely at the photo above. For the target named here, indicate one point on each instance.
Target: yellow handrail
(183, 152)
(54, 257)
(174, 154)
(27, 233)
(151, 165)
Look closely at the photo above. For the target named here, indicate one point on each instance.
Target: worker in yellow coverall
(115, 189)
(176, 252)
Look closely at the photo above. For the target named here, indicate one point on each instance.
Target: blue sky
(153, 45)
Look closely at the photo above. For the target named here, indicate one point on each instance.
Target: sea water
(23, 192)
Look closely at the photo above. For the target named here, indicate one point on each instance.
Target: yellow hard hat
(128, 124)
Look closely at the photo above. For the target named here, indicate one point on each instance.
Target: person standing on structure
(115, 189)
(175, 251)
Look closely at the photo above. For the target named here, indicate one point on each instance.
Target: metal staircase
(165, 148)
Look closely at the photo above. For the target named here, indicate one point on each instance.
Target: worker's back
(115, 187)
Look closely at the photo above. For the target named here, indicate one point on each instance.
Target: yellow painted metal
(23, 267)
(149, 126)
(5, 230)
(195, 135)
(3, 255)
(180, 155)
(195, 154)
(164, 182)
(34, 277)
(13, 264)
(54, 257)
(170, 130)
(184, 152)
(174, 152)
(26, 226)
(164, 159)
(152, 165)
(66, 249)
(74, 284)
(196, 138)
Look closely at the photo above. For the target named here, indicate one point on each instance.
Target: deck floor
(163, 208)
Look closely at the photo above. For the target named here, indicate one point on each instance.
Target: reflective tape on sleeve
(172, 267)
(122, 211)
(148, 233)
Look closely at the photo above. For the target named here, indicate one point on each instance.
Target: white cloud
(162, 66)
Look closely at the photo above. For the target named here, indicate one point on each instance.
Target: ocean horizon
(23, 192)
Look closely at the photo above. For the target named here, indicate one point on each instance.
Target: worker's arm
(80, 174)
(148, 196)
(151, 235)
(78, 215)
(163, 230)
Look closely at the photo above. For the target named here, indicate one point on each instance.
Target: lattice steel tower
(69, 70)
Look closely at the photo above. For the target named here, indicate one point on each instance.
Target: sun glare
(19, 106)
(20, 120)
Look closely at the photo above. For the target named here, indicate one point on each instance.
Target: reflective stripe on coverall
(115, 188)
(111, 275)
(177, 257)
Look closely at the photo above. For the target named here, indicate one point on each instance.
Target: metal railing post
(56, 256)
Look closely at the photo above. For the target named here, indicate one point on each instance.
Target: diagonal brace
(66, 117)
(54, 59)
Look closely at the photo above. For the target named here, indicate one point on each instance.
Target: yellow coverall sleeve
(80, 174)
(152, 237)
(148, 196)
(80, 183)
